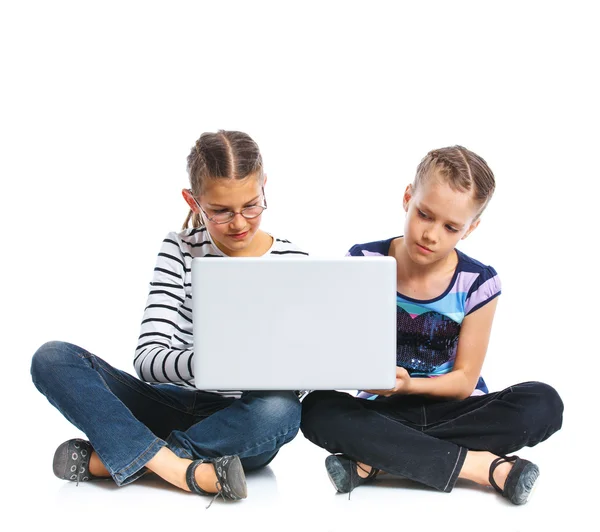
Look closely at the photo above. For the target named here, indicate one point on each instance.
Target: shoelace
(219, 492)
(79, 468)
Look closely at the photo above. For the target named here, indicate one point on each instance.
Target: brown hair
(221, 155)
(462, 169)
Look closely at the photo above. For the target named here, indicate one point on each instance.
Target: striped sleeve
(156, 360)
(486, 287)
(282, 247)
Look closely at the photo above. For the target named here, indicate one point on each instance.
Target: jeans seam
(124, 471)
(141, 392)
(107, 368)
(454, 468)
(389, 418)
(283, 433)
(68, 347)
(441, 424)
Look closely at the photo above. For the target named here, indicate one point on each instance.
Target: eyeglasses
(223, 217)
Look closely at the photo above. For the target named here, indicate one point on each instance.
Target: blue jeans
(128, 421)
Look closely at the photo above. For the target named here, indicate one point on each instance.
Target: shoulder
(194, 242)
(478, 282)
(282, 246)
(470, 265)
(379, 247)
(191, 238)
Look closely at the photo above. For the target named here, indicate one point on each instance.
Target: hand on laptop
(402, 383)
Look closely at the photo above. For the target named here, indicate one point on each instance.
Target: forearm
(454, 385)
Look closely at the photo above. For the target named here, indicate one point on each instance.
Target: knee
(45, 358)
(544, 406)
(279, 409)
(550, 405)
(49, 357)
(310, 405)
(314, 407)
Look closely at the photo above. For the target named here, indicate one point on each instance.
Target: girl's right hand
(403, 381)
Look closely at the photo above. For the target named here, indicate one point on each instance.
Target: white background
(101, 102)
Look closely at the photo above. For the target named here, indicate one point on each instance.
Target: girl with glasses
(440, 422)
(198, 441)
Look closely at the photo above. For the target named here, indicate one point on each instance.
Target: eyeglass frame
(233, 213)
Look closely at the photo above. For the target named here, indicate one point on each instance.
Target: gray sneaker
(72, 461)
(231, 480)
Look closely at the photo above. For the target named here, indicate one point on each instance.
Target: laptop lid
(294, 323)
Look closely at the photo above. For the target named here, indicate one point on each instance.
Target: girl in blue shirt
(438, 423)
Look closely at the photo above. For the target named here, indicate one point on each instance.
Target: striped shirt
(165, 346)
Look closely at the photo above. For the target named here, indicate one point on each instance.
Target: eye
(451, 229)
(422, 214)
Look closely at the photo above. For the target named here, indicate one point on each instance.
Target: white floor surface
(293, 493)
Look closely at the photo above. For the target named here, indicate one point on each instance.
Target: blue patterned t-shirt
(427, 330)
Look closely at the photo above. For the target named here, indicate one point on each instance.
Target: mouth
(239, 236)
(424, 249)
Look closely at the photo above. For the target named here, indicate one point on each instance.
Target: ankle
(500, 474)
(363, 470)
(170, 467)
(476, 468)
(206, 477)
(97, 467)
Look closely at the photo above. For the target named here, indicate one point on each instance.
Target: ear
(408, 194)
(190, 200)
(264, 180)
(471, 228)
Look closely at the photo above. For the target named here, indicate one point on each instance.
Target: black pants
(425, 439)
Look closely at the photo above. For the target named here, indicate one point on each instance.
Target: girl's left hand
(402, 384)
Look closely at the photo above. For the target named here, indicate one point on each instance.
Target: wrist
(410, 387)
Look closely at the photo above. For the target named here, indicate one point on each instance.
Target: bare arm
(461, 381)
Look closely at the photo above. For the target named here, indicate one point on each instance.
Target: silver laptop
(297, 323)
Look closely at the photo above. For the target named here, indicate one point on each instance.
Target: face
(235, 237)
(437, 217)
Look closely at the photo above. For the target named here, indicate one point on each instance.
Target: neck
(410, 270)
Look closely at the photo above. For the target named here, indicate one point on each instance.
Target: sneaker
(520, 481)
(72, 461)
(231, 480)
(343, 473)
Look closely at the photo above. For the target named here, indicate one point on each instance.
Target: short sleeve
(486, 287)
(354, 251)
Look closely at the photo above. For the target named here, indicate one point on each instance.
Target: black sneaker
(520, 481)
(343, 473)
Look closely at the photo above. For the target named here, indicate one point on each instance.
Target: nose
(238, 221)
(430, 235)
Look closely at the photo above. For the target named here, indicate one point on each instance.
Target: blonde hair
(462, 169)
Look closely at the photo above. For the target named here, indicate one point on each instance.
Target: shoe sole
(532, 472)
(236, 479)
(336, 473)
(59, 462)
